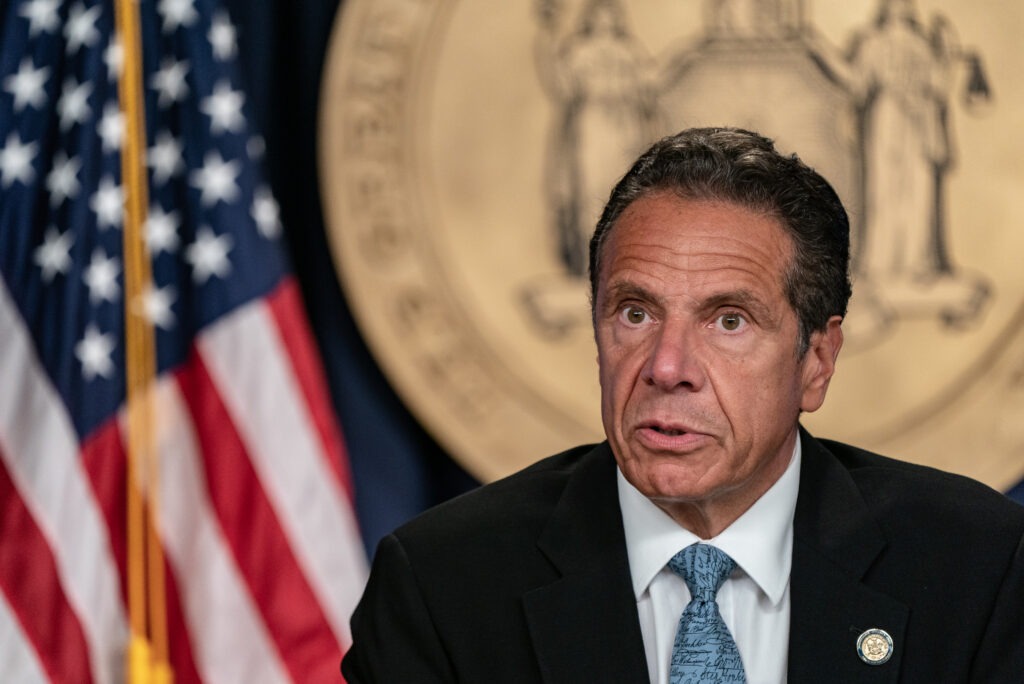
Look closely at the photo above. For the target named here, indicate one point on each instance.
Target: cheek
(613, 360)
(606, 377)
(618, 373)
(613, 382)
(753, 396)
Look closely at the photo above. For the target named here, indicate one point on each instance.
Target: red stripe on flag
(180, 642)
(290, 610)
(29, 580)
(286, 307)
(104, 459)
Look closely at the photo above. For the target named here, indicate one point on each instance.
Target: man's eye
(633, 315)
(731, 321)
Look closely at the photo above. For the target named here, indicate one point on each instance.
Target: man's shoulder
(921, 493)
(515, 506)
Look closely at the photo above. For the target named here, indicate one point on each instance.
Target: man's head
(719, 285)
(743, 168)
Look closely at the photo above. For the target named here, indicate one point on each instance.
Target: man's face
(697, 345)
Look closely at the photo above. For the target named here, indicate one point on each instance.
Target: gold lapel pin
(874, 646)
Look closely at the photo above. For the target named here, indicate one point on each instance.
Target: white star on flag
(222, 37)
(16, 161)
(101, 277)
(108, 203)
(62, 181)
(42, 16)
(224, 107)
(161, 231)
(53, 256)
(111, 127)
(169, 81)
(208, 255)
(113, 57)
(27, 85)
(73, 106)
(80, 29)
(155, 305)
(176, 13)
(266, 213)
(215, 180)
(93, 351)
(165, 157)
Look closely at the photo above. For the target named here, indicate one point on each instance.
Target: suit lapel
(836, 540)
(584, 625)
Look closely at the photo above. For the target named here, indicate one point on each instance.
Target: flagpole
(148, 657)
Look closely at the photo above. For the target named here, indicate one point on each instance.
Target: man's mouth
(673, 437)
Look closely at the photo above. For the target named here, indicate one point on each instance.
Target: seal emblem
(467, 147)
(874, 646)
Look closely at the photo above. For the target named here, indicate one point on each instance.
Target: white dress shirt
(754, 600)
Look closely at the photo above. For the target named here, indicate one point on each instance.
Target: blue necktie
(704, 650)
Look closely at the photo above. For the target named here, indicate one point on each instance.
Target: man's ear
(819, 363)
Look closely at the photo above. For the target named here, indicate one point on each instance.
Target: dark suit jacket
(527, 580)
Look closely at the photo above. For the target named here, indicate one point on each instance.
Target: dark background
(399, 470)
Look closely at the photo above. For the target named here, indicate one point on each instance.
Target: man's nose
(675, 359)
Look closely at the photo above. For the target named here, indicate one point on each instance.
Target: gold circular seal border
(481, 410)
(476, 407)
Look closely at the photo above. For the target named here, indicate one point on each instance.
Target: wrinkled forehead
(684, 225)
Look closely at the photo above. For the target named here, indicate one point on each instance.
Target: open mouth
(667, 431)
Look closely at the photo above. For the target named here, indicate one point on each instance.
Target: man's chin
(668, 481)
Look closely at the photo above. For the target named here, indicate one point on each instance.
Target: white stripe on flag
(229, 641)
(18, 660)
(288, 457)
(43, 458)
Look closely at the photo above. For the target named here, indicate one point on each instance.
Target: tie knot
(703, 567)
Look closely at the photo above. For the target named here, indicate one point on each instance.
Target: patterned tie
(704, 650)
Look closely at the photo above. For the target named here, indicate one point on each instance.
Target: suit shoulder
(516, 504)
(922, 492)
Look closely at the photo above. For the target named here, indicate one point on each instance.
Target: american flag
(252, 502)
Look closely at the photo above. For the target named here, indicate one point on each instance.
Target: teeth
(670, 433)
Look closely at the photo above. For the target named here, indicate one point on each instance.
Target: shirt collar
(760, 540)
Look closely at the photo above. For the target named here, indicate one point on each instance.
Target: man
(710, 538)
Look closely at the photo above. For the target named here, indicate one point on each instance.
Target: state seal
(467, 147)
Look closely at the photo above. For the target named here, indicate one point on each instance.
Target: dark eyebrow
(623, 290)
(744, 299)
(628, 290)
